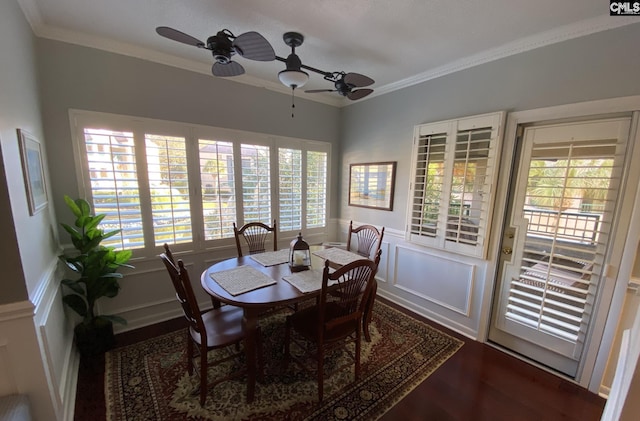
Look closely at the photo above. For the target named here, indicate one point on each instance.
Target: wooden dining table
(256, 302)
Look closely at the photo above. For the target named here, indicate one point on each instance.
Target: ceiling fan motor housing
(342, 87)
(221, 47)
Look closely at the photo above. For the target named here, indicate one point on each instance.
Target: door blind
(569, 200)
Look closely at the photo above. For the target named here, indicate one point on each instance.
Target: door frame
(593, 363)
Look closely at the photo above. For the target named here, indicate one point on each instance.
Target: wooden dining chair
(367, 236)
(213, 329)
(167, 251)
(332, 324)
(255, 235)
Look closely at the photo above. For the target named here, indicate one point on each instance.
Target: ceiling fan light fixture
(293, 78)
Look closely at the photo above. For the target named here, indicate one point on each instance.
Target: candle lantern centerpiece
(299, 254)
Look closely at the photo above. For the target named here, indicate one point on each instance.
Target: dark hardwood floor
(478, 383)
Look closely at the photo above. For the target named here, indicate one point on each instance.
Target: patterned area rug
(149, 380)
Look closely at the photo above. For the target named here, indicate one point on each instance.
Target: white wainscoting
(37, 357)
(444, 287)
(383, 266)
(443, 281)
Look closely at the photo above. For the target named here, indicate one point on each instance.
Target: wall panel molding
(429, 314)
(453, 288)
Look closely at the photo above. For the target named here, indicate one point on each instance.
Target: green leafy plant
(95, 264)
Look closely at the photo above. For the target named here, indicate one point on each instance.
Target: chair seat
(223, 325)
(332, 324)
(305, 322)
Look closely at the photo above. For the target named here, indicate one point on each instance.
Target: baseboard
(428, 314)
(70, 386)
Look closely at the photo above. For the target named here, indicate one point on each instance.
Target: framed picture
(371, 185)
(31, 155)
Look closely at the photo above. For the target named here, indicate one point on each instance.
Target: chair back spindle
(255, 235)
(367, 236)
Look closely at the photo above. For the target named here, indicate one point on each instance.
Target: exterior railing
(583, 227)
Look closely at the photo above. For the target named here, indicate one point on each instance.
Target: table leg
(368, 311)
(250, 328)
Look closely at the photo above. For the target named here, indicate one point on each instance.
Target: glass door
(556, 239)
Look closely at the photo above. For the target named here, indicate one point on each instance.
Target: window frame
(80, 119)
(450, 129)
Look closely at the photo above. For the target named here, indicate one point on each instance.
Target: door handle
(507, 250)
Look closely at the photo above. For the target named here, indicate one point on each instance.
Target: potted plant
(97, 267)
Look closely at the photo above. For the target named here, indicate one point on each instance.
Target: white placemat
(272, 258)
(242, 279)
(307, 280)
(339, 256)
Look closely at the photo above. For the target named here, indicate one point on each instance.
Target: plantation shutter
(113, 179)
(428, 184)
(290, 189)
(453, 176)
(570, 197)
(165, 182)
(218, 188)
(316, 203)
(169, 189)
(256, 183)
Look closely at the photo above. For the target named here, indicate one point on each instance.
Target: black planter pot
(94, 339)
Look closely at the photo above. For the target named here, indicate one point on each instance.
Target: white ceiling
(396, 42)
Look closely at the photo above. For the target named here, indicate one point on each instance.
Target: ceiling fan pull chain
(293, 102)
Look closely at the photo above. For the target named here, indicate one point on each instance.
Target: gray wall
(28, 242)
(88, 79)
(599, 66)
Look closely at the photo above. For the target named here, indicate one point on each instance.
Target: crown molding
(563, 33)
(41, 30)
(105, 44)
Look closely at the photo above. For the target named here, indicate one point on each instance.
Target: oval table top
(280, 293)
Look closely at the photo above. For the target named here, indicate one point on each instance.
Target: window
(453, 177)
(290, 169)
(161, 181)
(316, 189)
(256, 183)
(113, 184)
(169, 189)
(217, 187)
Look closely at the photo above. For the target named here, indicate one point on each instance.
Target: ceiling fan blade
(253, 46)
(230, 69)
(176, 35)
(357, 80)
(358, 94)
(315, 91)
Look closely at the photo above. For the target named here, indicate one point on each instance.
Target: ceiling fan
(345, 84)
(224, 45)
(294, 77)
